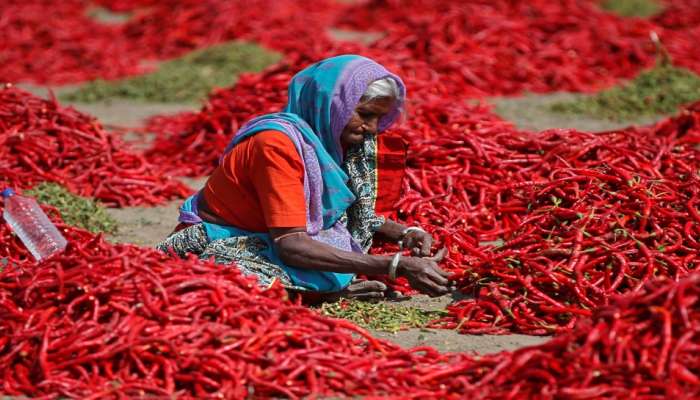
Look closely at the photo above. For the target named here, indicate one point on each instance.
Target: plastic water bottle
(31, 224)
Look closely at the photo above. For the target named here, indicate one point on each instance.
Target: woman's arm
(296, 248)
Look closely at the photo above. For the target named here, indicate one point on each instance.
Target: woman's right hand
(424, 275)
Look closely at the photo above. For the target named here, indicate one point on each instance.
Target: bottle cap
(7, 193)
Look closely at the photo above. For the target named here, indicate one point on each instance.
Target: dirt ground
(145, 226)
(531, 112)
(451, 341)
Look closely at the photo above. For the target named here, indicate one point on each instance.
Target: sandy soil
(453, 342)
(346, 35)
(106, 17)
(147, 226)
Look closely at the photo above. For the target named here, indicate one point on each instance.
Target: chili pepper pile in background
(504, 47)
(70, 47)
(497, 47)
(680, 21)
(46, 41)
(544, 227)
(501, 48)
(108, 321)
(42, 141)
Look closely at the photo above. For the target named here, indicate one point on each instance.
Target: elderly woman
(293, 197)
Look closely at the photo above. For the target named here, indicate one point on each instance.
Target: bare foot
(358, 290)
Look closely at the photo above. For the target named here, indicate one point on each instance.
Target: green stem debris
(660, 90)
(107, 17)
(186, 79)
(632, 8)
(380, 316)
(75, 210)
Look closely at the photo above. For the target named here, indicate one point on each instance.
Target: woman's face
(365, 120)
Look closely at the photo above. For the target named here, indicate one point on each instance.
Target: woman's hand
(418, 241)
(424, 275)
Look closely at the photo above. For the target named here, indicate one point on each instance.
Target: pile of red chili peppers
(43, 141)
(504, 47)
(72, 47)
(542, 228)
(442, 49)
(119, 321)
(592, 236)
(482, 48)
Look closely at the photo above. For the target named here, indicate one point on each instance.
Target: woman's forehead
(377, 104)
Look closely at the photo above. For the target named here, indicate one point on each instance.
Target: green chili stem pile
(75, 210)
(380, 316)
(660, 90)
(186, 79)
(632, 8)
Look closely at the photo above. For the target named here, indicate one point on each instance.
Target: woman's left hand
(419, 242)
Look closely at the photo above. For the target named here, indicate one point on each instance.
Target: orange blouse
(259, 185)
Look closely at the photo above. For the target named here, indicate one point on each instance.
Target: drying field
(553, 151)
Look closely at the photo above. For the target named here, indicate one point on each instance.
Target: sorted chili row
(43, 141)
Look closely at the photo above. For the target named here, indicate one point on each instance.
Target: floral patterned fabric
(361, 165)
(243, 252)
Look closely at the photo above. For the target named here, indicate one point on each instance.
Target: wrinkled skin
(365, 120)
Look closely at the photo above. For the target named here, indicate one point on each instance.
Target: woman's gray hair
(385, 87)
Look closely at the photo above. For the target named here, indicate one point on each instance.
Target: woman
(293, 197)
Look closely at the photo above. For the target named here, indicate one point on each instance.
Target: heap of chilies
(542, 228)
(68, 47)
(42, 141)
(116, 321)
(478, 48)
(504, 47)
(73, 47)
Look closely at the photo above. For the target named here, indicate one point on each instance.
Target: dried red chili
(42, 141)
